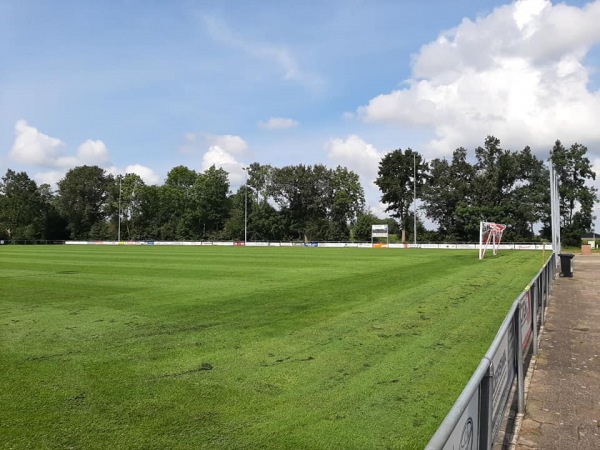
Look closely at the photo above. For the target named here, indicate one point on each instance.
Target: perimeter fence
(475, 420)
(336, 244)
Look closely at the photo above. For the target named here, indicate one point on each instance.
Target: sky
(139, 86)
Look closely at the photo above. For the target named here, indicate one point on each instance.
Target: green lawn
(254, 348)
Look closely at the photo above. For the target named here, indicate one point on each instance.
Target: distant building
(590, 236)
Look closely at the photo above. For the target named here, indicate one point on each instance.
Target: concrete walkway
(563, 396)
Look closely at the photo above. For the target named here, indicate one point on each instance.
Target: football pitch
(228, 347)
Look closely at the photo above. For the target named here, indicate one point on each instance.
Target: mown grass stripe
(307, 348)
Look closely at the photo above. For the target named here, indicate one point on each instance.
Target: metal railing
(475, 419)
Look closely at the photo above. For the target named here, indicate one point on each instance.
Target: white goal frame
(490, 232)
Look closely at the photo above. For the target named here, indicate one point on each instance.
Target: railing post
(486, 393)
(534, 311)
(519, 356)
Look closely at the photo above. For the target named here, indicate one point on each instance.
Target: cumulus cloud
(356, 154)
(223, 152)
(278, 123)
(51, 177)
(146, 174)
(93, 153)
(363, 159)
(34, 147)
(518, 73)
(229, 143)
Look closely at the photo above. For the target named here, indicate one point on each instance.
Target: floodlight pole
(245, 169)
(415, 196)
(119, 227)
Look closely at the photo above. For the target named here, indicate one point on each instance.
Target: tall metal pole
(415, 196)
(119, 228)
(245, 169)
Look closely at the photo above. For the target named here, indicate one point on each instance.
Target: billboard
(504, 372)
(379, 231)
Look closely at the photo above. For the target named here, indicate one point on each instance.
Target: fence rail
(475, 419)
(339, 244)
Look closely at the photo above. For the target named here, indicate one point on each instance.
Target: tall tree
(577, 197)
(259, 179)
(82, 196)
(316, 203)
(346, 202)
(295, 192)
(396, 181)
(125, 199)
(22, 207)
(178, 206)
(211, 195)
(530, 196)
(448, 193)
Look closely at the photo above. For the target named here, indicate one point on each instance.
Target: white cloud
(363, 159)
(228, 142)
(218, 157)
(93, 153)
(356, 154)
(280, 56)
(35, 148)
(51, 178)
(146, 174)
(32, 147)
(222, 159)
(223, 152)
(518, 73)
(278, 123)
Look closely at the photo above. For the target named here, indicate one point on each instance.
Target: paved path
(563, 397)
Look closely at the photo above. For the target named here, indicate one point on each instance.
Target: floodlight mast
(119, 226)
(415, 197)
(245, 169)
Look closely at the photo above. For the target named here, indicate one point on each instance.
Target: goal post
(490, 233)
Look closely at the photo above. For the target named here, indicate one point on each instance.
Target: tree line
(304, 202)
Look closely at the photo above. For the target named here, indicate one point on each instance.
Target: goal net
(490, 233)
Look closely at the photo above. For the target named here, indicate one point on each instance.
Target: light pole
(119, 227)
(415, 197)
(245, 169)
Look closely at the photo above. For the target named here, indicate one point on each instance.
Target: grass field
(253, 348)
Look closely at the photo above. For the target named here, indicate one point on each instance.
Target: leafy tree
(125, 199)
(577, 198)
(259, 179)
(55, 225)
(346, 202)
(530, 196)
(150, 214)
(234, 225)
(299, 192)
(448, 192)
(316, 203)
(502, 186)
(22, 207)
(211, 196)
(177, 206)
(265, 223)
(82, 196)
(396, 181)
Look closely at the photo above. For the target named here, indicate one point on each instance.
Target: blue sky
(144, 86)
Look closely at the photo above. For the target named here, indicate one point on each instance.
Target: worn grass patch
(218, 347)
